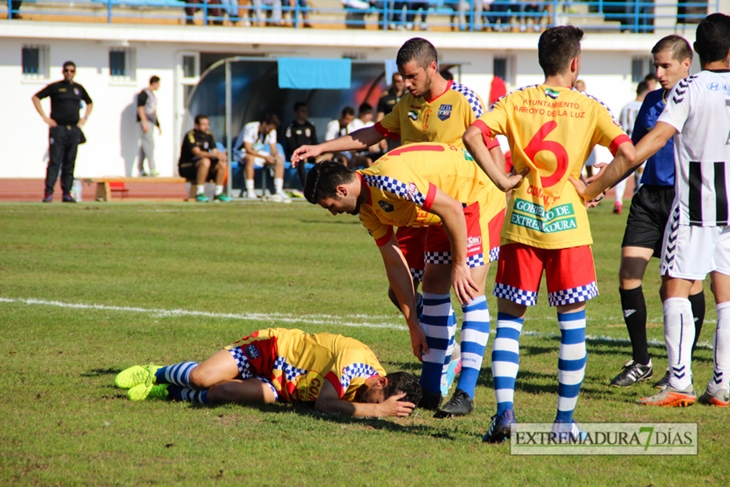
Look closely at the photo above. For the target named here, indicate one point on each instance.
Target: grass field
(89, 289)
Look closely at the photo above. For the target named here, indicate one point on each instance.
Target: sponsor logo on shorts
(252, 352)
(444, 112)
(473, 241)
(387, 207)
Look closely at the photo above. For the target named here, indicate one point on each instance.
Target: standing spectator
(300, 132)
(146, 118)
(258, 141)
(65, 129)
(200, 161)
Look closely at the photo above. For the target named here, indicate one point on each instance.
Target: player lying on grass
(438, 186)
(697, 237)
(337, 373)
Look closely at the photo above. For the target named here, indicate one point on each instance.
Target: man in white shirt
(257, 143)
(697, 236)
(337, 128)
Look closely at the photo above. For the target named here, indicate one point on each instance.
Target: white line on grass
(315, 319)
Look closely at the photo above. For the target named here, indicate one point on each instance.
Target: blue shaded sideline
(313, 74)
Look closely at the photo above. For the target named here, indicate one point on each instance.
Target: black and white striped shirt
(699, 109)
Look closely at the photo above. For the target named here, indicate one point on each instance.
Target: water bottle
(76, 190)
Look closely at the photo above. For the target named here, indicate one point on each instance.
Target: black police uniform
(64, 139)
(186, 164)
(386, 103)
(297, 135)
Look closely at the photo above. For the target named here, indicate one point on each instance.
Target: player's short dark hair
(365, 108)
(713, 38)
(447, 75)
(200, 117)
(419, 50)
(651, 77)
(323, 179)
(348, 110)
(68, 63)
(642, 87)
(271, 119)
(154, 79)
(400, 382)
(556, 47)
(678, 45)
(298, 105)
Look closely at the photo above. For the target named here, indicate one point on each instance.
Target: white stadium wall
(111, 129)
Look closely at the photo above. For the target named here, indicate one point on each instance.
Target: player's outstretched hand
(464, 287)
(393, 406)
(418, 342)
(303, 153)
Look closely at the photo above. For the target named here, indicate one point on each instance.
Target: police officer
(65, 129)
(300, 132)
(387, 101)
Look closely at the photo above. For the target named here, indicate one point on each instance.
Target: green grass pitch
(88, 289)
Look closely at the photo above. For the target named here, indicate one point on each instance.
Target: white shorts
(691, 252)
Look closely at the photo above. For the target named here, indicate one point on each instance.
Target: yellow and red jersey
(551, 131)
(443, 119)
(297, 363)
(402, 185)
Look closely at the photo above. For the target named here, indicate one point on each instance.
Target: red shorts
(411, 242)
(571, 276)
(479, 229)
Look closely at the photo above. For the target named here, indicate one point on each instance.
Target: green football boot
(139, 374)
(143, 391)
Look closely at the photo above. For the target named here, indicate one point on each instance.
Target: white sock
(679, 333)
(218, 190)
(249, 186)
(722, 350)
(201, 189)
(279, 185)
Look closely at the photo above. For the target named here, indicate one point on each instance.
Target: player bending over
(551, 129)
(697, 236)
(337, 373)
(437, 186)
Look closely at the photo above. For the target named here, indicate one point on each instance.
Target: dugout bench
(107, 185)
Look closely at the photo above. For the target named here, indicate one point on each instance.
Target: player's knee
(203, 162)
(201, 377)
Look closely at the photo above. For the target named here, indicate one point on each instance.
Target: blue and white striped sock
(571, 362)
(177, 393)
(506, 359)
(439, 324)
(474, 338)
(178, 374)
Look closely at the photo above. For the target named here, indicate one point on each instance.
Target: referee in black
(65, 125)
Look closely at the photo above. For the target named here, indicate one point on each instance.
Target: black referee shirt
(195, 138)
(65, 101)
(387, 101)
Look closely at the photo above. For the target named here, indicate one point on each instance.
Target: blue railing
(636, 16)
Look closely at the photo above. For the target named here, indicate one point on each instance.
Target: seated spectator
(412, 9)
(300, 132)
(273, 12)
(291, 5)
(215, 12)
(338, 128)
(463, 9)
(355, 13)
(501, 14)
(200, 161)
(533, 15)
(367, 157)
(258, 143)
(15, 9)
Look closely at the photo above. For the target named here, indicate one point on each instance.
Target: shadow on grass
(332, 222)
(101, 372)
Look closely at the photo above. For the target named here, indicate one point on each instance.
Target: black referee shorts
(648, 217)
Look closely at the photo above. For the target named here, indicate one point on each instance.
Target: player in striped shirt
(697, 236)
(338, 374)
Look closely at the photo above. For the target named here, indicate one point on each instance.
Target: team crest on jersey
(205, 145)
(252, 352)
(76, 90)
(413, 115)
(387, 207)
(444, 112)
(308, 132)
